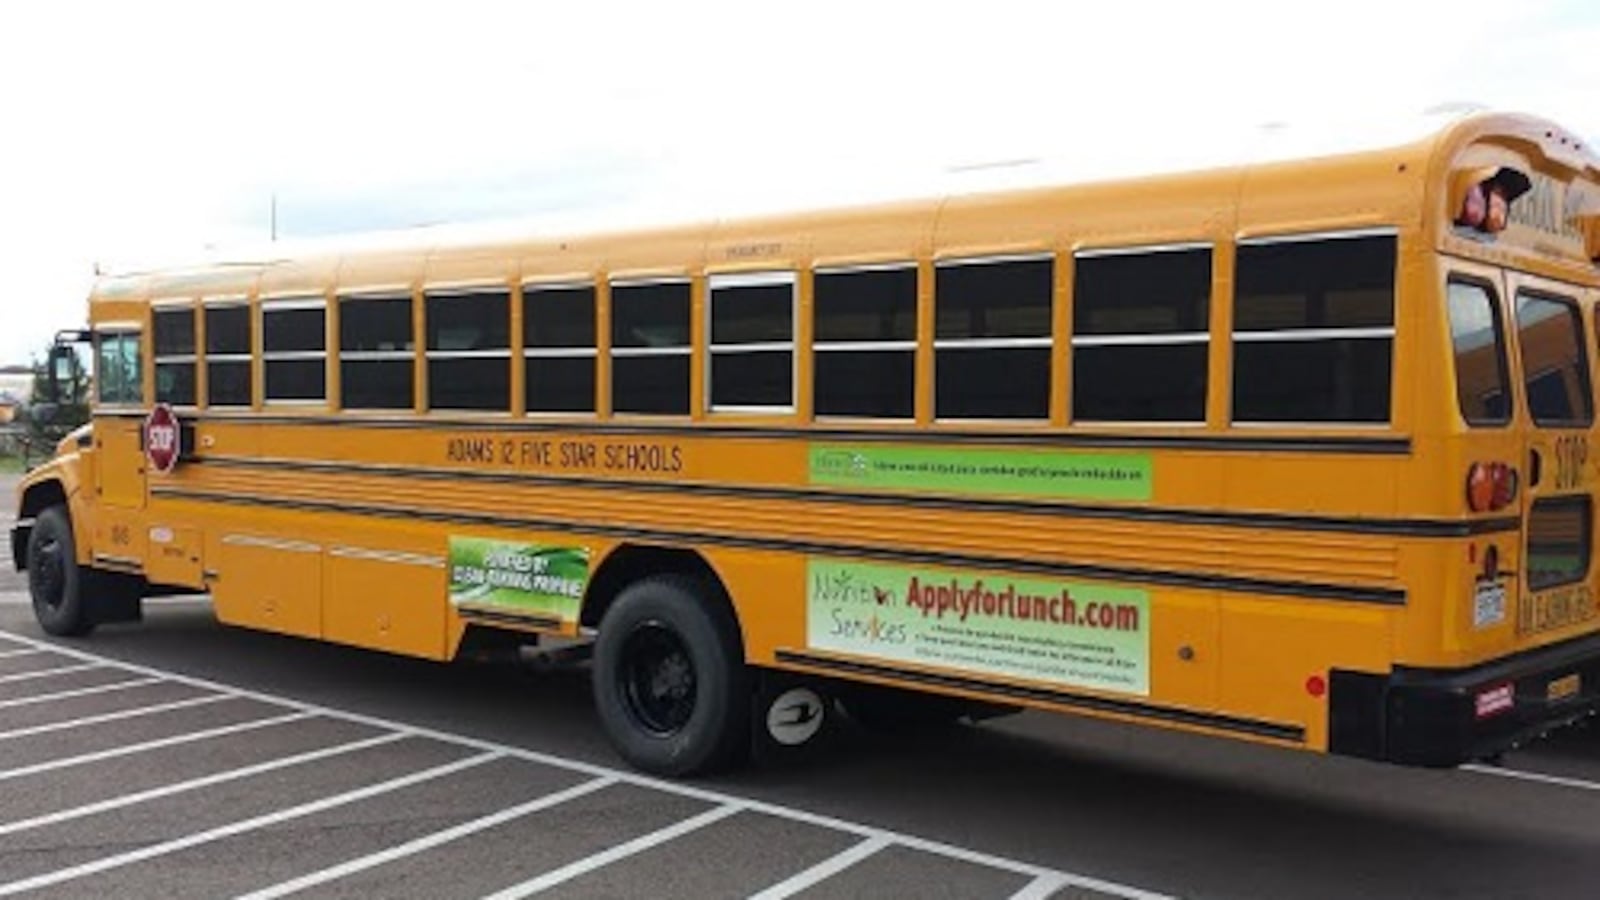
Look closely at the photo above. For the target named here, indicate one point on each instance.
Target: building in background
(16, 385)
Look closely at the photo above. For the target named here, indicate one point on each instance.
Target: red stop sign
(163, 439)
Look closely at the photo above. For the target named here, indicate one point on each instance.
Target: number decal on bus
(1572, 453)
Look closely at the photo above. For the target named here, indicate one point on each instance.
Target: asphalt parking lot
(118, 780)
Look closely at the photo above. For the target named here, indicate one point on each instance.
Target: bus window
(1313, 331)
(294, 349)
(118, 371)
(751, 357)
(1478, 338)
(377, 359)
(558, 339)
(469, 350)
(650, 348)
(228, 375)
(1140, 334)
(865, 361)
(1556, 372)
(172, 331)
(1558, 541)
(992, 338)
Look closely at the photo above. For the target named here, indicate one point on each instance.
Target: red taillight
(1490, 486)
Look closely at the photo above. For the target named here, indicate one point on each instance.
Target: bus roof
(1212, 165)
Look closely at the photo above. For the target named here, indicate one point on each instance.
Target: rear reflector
(1495, 700)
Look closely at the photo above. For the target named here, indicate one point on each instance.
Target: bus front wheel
(670, 682)
(55, 581)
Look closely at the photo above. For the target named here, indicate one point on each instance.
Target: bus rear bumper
(1445, 717)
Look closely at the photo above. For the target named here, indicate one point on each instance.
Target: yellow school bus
(1295, 451)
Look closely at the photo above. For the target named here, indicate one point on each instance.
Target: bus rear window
(1558, 541)
(1478, 339)
(1554, 367)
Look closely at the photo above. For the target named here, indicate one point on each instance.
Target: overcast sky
(134, 131)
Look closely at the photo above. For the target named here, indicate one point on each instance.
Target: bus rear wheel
(55, 581)
(670, 682)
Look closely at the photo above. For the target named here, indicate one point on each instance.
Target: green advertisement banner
(1036, 473)
(517, 578)
(1074, 635)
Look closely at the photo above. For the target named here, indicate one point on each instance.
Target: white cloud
(129, 130)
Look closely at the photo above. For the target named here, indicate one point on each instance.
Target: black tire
(669, 678)
(55, 581)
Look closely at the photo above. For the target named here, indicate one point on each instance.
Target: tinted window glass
(228, 383)
(175, 383)
(650, 315)
(1139, 383)
(375, 325)
(1480, 355)
(1141, 335)
(651, 384)
(986, 384)
(749, 314)
(1312, 381)
(558, 316)
(1314, 330)
(1555, 367)
(753, 379)
(376, 383)
(296, 379)
(1158, 292)
(869, 383)
(174, 331)
(983, 302)
(470, 383)
(1331, 283)
(475, 321)
(871, 305)
(227, 330)
(562, 384)
(993, 300)
(298, 329)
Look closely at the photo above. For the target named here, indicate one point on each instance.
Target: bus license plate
(1564, 688)
(1488, 604)
(1558, 608)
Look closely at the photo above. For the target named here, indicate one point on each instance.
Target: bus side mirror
(61, 372)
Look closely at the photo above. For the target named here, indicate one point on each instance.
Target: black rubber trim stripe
(1255, 727)
(1382, 596)
(1352, 444)
(1447, 528)
(529, 621)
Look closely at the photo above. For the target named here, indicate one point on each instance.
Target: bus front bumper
(1445, 717)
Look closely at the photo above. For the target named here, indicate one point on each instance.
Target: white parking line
(789, 813)
(45, 673)
(621, 851)
(1536, 777)
(128, 749)
(78, 692)
(829, 867)
(25, 651)
(426, 842)
(197, 783)
(112, 716)
(1040, 888)
(251, 824)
